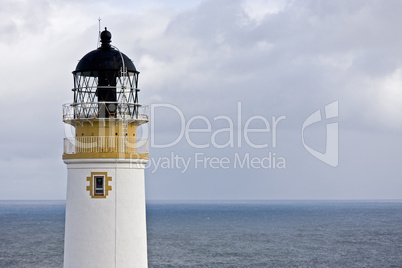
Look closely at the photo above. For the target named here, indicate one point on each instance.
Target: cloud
(296, 53)
(276, 57)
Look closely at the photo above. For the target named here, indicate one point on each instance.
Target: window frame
(91, 188)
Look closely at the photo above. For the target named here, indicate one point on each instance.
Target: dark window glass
(99, 189)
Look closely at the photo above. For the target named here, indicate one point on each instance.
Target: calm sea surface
(250, 234)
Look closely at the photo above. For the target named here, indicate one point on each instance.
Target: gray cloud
(278, 58)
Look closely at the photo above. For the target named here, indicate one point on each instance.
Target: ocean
(225, 234)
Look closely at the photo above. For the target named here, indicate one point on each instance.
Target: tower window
(99, 185)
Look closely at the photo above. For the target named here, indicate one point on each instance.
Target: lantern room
(105, 110)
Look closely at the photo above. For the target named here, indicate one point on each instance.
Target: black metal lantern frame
(105, 86)
(117, 98)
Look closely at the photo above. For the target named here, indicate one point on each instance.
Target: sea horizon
(225, 233)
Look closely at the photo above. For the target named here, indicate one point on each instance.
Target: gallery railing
(117, 144)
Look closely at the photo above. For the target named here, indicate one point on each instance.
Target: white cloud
(257, 10)
(388, 94)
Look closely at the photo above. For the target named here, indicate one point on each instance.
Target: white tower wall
(111, 231)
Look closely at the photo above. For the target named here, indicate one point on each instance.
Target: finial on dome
(106, 37)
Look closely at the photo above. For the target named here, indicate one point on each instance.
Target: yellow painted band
(106, 155)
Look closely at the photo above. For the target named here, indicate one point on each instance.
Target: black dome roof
(105, 58)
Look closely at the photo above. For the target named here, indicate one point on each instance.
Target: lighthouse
(105, 208)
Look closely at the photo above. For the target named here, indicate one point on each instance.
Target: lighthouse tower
(105, 207)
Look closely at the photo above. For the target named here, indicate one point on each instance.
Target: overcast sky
(209, 61)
